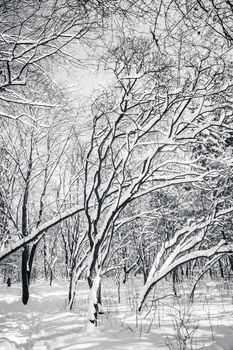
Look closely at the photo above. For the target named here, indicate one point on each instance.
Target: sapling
(184, 325)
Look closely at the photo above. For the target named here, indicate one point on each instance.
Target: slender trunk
(31, 259)
(125, 274)
(50, 277)
(4, 276)
(118, 282)
(231, 261)
(76, 274)
(72, 299)
(124, 267)
(181, 274)
(145, 273)
(221, 268)
(25, 276)
(174, 280)
(45, 259)
(119, 291)
(72, 291)
(71, 294)
(187, 270)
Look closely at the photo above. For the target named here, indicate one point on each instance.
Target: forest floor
(169, 323)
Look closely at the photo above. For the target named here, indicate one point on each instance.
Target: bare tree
(171, 93)
(34, 152)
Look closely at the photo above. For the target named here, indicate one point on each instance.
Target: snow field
(166, 322)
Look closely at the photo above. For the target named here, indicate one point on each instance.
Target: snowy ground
(45, 323)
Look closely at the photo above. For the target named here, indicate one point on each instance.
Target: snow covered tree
(33, 153)
(171, 91)
(39, 35)
(158, 134)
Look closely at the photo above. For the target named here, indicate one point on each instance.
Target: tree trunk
(119, 291)
(25, 275)
(45, 259)
(145, 273)
(71, 277)
(31, 259)
(221, 269)
(94, 306)
(72, 287)
(72, 294)
(99, 299)
(231, 261)
(27, 262)
(50, 277)
(74, 278)
(125, 274)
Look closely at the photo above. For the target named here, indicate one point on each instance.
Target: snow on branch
(36, 233)
(220, 248)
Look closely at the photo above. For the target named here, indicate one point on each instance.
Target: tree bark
(94, 306)
(25, 275)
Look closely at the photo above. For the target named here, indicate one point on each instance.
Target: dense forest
(116, 146)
